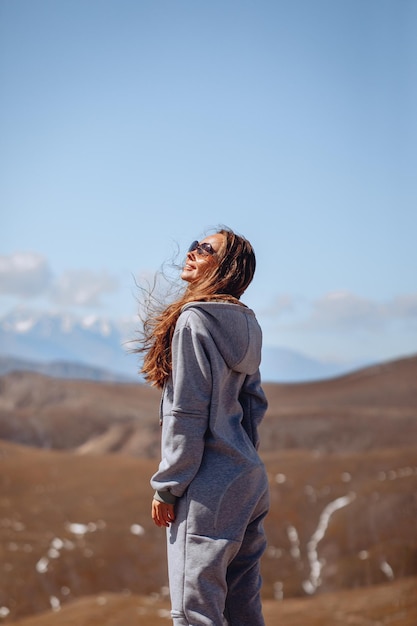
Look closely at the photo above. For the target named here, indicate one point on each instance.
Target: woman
(211, 489)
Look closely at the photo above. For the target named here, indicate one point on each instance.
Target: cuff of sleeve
(165, 496)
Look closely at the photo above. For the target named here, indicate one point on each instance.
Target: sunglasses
(202, 248)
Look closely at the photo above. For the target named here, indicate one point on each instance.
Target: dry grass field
(78, 547)
(393, 605)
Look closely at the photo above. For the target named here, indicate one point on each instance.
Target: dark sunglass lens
(193, 246)
(207, 248)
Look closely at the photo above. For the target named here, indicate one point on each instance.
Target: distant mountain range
(284, 365)
(94, 348)
(62, 369)
(67, 346)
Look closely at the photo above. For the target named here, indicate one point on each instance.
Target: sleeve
(254, 404)
(184, 428)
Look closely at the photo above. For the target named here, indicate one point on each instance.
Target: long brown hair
(226, 281)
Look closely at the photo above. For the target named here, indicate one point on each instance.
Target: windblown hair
(226, 282)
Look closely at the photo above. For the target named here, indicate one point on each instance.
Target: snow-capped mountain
(89, 340)
(101, 343)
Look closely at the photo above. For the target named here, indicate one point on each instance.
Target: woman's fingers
(162, 513)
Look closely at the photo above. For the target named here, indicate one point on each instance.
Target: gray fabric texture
(211, 409)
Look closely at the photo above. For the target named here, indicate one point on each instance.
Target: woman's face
(199, 260)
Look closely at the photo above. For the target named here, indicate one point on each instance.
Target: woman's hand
(162, 513)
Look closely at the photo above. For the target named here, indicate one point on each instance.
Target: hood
(234, 330)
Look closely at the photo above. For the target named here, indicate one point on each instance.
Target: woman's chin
(186, 275)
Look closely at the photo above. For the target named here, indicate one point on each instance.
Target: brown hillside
(65, 414)
(386, 605)
(75, 527)
(72, 526)
(371, 408)
(392, 385)
(340, 521)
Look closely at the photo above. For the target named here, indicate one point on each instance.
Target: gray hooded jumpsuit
(211, 407)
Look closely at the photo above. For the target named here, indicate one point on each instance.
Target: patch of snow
(89, 320)
(310, 493)
(42, 565)
(280, 479)
(77, 529)
(278, 590)
(18, 526)
(311, 585)
(137, 529)
(53, 553)
(387, 570)
(294, 541)
(273, 553)
(403, 472)
(392, 474)
(24, 326)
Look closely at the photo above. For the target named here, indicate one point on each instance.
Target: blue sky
(131, 127)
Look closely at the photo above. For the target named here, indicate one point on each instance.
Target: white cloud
(82, 287)
(341, 311)
(281, 304)
(403, 307)
(24, 274)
